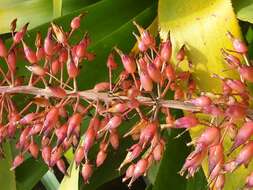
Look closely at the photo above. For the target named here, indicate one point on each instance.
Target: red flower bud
(154, 73)
(146, 81)
(186, 122)
(243, 135)
(61, 166)
(34, 149)
(87, 171)
(246, 72)
(101, 156)
(19, 159)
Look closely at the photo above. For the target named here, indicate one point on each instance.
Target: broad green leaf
(49, 181)
(35, 12)
(202, 26)
(7, 177)
(71, 181)
(244, 10)
(30, 173)
(69, 6)
(57, 8)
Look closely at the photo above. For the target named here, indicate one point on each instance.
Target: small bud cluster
(51, 121)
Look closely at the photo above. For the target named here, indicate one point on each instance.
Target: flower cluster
(50, 123)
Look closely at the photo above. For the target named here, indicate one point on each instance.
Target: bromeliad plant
(50, 123)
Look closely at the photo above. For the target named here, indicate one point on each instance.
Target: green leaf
(30, 173)
(57, 8)
(7, 177)
(71, 181)
(244, 10)
(68, 6)
(35, 12)
(49, 181)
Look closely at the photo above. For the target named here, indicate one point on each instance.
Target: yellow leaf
(71, 181)
(202, 26)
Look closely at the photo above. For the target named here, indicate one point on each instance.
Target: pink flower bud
(11, 60)
(140, 168)
(55, 155)
(74, 121)
(213, 110)
(3, 49)
(58, 92)
(34, 149)
(114, 140)
(129, 172)
(61, 133)
(87, 171)
(114, 122)
(166, 50)
(236, 111)
(55, 66)
(36, 69)
(79, 155)
(158, 62)
(89, 139)
(148, 133)
(186, 122)
(238, 45)
(19, 159)
(118, 108)
(40, 53)
(158, 151)
(80, 50)
(181, 54)
(154, 73)
(46, 154)
(102, 86)
(72, 69)
(246, 72)
(202, 101)
(76, 22)
(146, 82)
(192, 163)
(101, 156)
(29, 54)
(232, 61)
(111, 63)
(236, 85)
(215, 156)
(61, 166)
(210, 137)
(170, 72)
(52, 117)
(27, 119)
(245, 155)
(243, 135)
(49, 43)
(63, 57)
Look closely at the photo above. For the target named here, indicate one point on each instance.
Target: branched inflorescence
(50, 123)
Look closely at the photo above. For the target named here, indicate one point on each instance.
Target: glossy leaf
(30, 173)
(49, 181)
(244, 10)
(7, 177)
